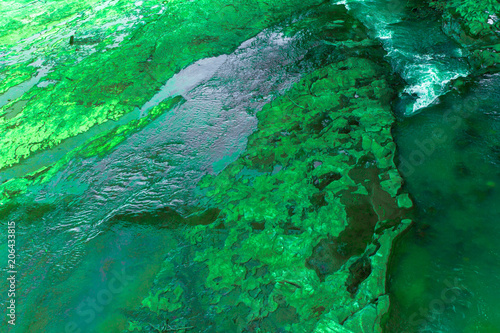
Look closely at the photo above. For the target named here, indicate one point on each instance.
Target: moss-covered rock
(309, 211)
(475, 25)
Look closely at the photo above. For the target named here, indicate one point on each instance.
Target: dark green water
(445, 270)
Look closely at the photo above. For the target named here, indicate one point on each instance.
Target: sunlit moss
(300, 206)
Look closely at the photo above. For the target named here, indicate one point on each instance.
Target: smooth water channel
(71, 243)
(445, 271)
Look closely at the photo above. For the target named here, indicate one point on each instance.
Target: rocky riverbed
(219, 167)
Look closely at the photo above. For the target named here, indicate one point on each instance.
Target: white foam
(431, 84)
(425, 72)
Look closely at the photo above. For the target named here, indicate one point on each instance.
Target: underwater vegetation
(295, 232)
(307, 214)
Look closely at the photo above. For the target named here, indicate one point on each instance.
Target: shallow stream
(445, 270)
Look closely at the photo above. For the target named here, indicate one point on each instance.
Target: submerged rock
(476, 26)
(308, 213)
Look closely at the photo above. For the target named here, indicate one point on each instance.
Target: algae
(294, 247)
(475, 25)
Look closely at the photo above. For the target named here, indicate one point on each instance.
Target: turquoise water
(90, 244)
(444, 270)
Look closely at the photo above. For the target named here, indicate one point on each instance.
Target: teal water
(83, 264)
(445, 271)
(90, 242)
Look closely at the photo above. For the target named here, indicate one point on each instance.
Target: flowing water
(74, 251)
(416, 48)
(444, 271)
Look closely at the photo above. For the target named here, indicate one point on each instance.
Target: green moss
(404, 201)
(110, 82)
(22, 19)
(134, 326)
(315, 179)
(474, 24)
(15, 75)
(168, 299)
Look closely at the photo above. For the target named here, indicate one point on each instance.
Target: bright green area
(23, 19)
(307, 214)
(475, 25)
(475, 13)
(105, 83)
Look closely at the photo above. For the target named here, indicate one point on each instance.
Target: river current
(444, 271)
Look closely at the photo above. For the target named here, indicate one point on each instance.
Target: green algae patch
(100, 145)
(310, 212)
(168, 299)
(134, 327)
(475, 25)
(102, 82)
(307, 214)
(15, 75)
